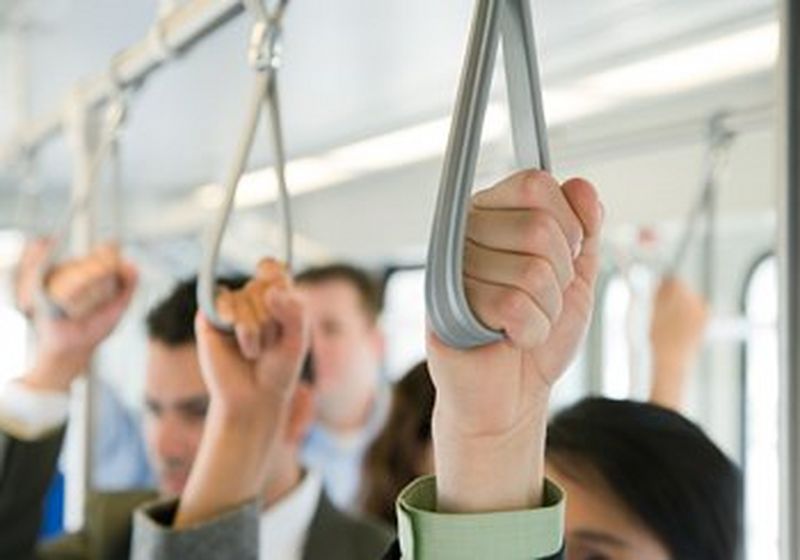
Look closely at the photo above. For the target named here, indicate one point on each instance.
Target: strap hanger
(264, 58)
(450, 315)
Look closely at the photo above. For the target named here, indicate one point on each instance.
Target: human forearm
(670, 377)
(55, 372)
(501, 471)
(229, 469)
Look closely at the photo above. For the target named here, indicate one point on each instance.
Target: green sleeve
(426, 534)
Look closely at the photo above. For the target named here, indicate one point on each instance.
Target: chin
(171, 489)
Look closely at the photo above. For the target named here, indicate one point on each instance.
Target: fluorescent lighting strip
(734, 55)
(388, 151)
(680, 70)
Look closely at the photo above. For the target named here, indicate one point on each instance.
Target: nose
(167, 438)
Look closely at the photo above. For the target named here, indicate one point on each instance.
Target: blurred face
(345, 342)
(176, 401)
(598, 525)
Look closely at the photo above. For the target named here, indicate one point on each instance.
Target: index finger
(534, 189)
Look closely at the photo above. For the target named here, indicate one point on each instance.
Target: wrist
(670, 363)
(54, 373)
(237, 419)
(496, 470)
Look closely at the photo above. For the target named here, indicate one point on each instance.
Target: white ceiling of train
(361, 69)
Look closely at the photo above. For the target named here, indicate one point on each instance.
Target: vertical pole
(81, 446)
(789, 266)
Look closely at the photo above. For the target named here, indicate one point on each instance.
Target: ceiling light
(690, 67)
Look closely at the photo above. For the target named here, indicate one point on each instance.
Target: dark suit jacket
(26, 469)
(332, 535)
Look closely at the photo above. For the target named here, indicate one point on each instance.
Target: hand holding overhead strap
(264, 57)
(107, 149)
(450, 314)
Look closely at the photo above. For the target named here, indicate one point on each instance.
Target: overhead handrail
(450, 314)
(264, 57)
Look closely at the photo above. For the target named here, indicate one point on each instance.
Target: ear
(301, 415)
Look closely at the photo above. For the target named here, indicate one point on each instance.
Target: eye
(194, 412)
(197, 412)
(331, 328)
(584, 551)
(591, 555)
(152, 408)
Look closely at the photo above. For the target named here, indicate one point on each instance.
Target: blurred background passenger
(403, 450)
(352, 398)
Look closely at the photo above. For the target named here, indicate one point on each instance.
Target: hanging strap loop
(264, 56)
(114, 116)
(720, 142)
(448, 309)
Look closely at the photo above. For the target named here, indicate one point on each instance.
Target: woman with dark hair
(642, 482)
(403, 450)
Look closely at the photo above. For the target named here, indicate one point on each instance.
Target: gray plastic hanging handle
(107, 147)
(264, 58)
(449, 312)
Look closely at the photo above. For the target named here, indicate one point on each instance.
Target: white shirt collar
(284, 525)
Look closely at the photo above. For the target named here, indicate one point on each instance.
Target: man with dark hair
(176, 398)
(298, 521)
(347, 350)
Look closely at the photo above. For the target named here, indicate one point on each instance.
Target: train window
(616, 379)
(404, 320)
(625, 346)
(761, 401)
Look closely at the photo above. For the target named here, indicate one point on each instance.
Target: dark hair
(393, 460)
(367, 287)
(662, 466)
(171, 321)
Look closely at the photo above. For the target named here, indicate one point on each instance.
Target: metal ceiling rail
(173, 33)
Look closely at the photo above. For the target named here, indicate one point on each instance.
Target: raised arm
(676, 335)
(33, 409)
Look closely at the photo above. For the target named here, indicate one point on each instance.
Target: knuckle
(537, 232)
(536, 274)
(513, 307)
(533, 186)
